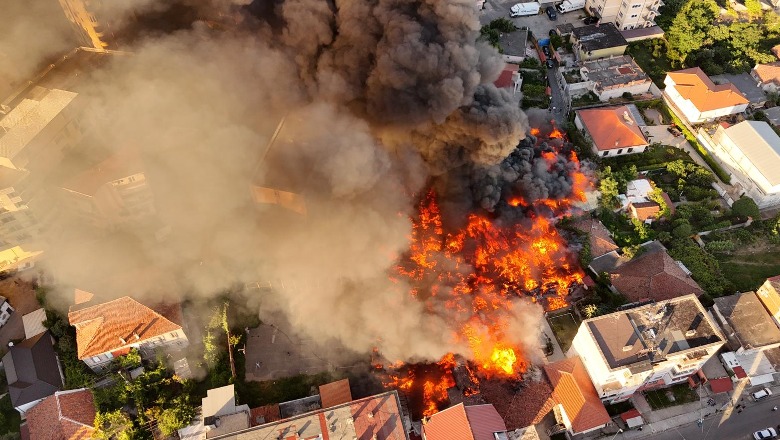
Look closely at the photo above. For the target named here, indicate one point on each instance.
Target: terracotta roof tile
(335, 393)
(767, 73)
(505, 79)
(265, 414)
(102, 327)
(600, 240)
(484, 420)
(630, 414)
(573, 389)
(644, 210)
(67, 415)
(450, 424)
(519, 408)
(609, 128)
(694, 85)
(721, 385)
(653, 275)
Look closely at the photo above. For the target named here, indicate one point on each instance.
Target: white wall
(691, 113)
(617, 92)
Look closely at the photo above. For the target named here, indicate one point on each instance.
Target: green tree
(131, 359)
(690, 29)
(657, 196)
(682, 231)
(114, 425)
(745, 207)
(178, 415)
(753, 7)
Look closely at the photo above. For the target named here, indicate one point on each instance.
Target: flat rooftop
(376, 417)
(613, 72)
(752, 324)
(636, 337)
(513, 43)
(596, 37)
(745, 84)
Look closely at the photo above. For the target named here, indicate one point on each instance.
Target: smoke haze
(377, 96)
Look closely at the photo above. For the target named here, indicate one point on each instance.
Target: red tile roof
(102, 327)
(264, 414)
(694, 85)
(450, 424)
(67, 415)
(484, 421)
(335, 393)
(767, 73)
(740, 372)
(609, 128)
(519, 408)
(653, 275)
(630, 414)
(721, 385)
(644, 210)
(573, 389)
(505, 79)
(600, 240)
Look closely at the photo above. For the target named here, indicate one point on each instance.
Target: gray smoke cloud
(376, 97)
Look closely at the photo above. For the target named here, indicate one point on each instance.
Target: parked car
(765, 433)
(762, 394)
(673, 130)
(546, 50)
(591, 20)
(550, 63)
(552, 32)
(551, 13)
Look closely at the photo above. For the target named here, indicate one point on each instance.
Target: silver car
(765, 433)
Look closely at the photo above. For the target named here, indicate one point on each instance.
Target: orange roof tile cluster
(644, 210)
(460, 422)
(694, 85)
(519, 408)
(335, 393)
(574, 391)
(776, 50)
(653, 275)
(505, 79)
(612, 128)
(67, 415)
(600, 240)
(103, 327)
(264, 414)
(767, 73)
(377, 417)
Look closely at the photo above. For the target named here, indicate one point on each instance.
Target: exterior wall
(752, 181)
(600, 53)
(5, 312)
(27, 406)
(84, 22)
(626, 14)
(606, 9)
(175, 339)
(689, 111)
(514, 59)
(620, 151)
(617, 92)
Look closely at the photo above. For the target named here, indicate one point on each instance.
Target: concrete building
(625, 14)
(608, 78)
(510, 79)
(17, 258)
(597, 41)
(109, 330)
(769, 295)
(767, 76)
(614, 131)
(750, 152)
(752, 336)
(696, 99)
(513, 46)
(111, 194)
(647, 347)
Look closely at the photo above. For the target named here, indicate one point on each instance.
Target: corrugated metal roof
(761, 145)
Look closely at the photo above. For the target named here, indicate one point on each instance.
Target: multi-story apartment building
(626, 14)
(652, 346)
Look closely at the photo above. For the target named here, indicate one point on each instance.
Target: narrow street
(557, 102)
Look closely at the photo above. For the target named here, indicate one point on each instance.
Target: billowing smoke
(376, 97)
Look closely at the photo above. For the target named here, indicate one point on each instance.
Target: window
(606, 153)
(620, 14)
(635, 16)
(174, 334)
(630, 150)
(636, 6)
(620, 151)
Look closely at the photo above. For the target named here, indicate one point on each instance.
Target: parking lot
(539, 25)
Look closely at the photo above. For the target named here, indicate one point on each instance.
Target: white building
(606, 77)
(752, 336)
(696, 99)
(626, 14)
(750, 151)
(5, 310)
(767, 76)
(614, 131)
(647, 347)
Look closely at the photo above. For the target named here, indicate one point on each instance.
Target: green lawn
(747, 272)
(652, 158)
(682, 394)
(564, 327)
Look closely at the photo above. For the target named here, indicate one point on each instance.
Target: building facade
(597, 41)
(647, 347)
(614, 131)
(693, 96)
(625, 14)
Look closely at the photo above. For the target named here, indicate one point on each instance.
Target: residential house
(335, 393)
(66, 415)
(578, 408)
(33, 371)
(746, 85)
(597, 41)
(696, 99)
(600, 241)
(459, 422)
(646, 347)
(376, 417)
(608, 78)
(632, 14)
(638, 201)
(5, 310)
(614, 131)
(535, 395)
(18, 258)
(111, 329)
(773, 114)
(767, 76)
(653, 275)
(751, 335)
(219, 415)
(34, 323)
(646, 33)
(513, 45)
(769, 295)
(111, 194)
(750, 151)
(510, 79)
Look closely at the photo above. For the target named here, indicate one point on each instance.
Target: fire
(535, 131)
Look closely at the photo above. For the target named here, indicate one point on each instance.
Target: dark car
(591, 20)
(674, 131)
(552, 32)
(550, 63)
(552, 13)
(546, 50)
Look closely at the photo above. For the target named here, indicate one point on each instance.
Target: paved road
(557, 103)
(729, 425)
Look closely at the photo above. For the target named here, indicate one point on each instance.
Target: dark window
(620, 151)
(606, 153)
(630, 150)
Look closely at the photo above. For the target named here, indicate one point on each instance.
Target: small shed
(632, 418)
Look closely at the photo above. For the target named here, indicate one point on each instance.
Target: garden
(564, 326)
